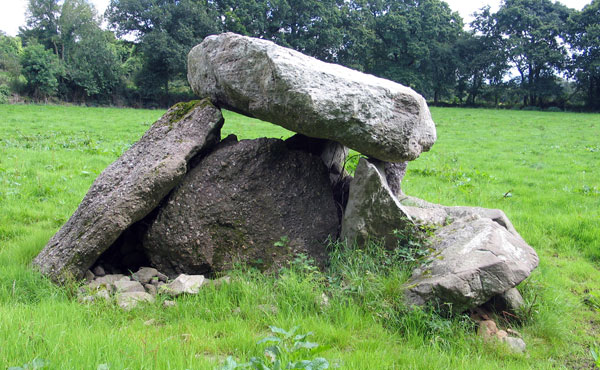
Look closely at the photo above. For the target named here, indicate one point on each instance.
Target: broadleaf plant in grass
(285, 352)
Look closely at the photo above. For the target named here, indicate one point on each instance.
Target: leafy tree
(166, 30)
(356, 49)
(310, 26)
(10, 55)
(584, 37)
(415, 44)
(92, 66)
(42, 23)
(72, 30)
(41, 68)
(483, 59)
(533, 31)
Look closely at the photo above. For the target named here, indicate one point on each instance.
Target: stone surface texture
(509, 301)
(332, 153)
(475, 259)
(145, 274)
(373, 212)
(516, 345)
(238, 203)
(433, 214)
(124, 286)
(189, 284)
(130, 188)
(130, 300)
(373, 116)
(394, 173)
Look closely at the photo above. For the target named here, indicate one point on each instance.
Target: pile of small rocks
(489, 331)
(141, 286)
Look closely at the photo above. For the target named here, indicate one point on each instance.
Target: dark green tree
(483, 59)
(42, 24)
(533, 30)
(313, 27)
(42, 70)
(584, 37)
(92, 66)
(165, 30)
(415, 44)
(10, 55)
(72, 30)
(356, 50)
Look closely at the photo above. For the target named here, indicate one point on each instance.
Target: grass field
(542, 169)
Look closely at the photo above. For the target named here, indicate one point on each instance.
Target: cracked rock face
(371, 115)
(252, 201)
(130, 188)
(475, 259)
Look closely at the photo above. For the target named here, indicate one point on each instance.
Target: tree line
(530, 53)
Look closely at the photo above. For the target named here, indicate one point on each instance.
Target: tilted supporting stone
(130, 188)
(373, 212)
(373, 116)
(475, 259)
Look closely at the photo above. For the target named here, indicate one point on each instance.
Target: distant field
(542, 169)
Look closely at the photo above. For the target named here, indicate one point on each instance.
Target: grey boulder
(475, 259)
(130, 188)
(516, 345)
(130, 300)
(373, 211)
(371, 115)
(425, 213)
(510, 301)
(145, 274)
(189, 284)
(128, 286)
(252, 201)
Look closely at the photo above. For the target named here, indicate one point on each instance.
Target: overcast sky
(12, 12)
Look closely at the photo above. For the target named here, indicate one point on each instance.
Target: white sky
(12, 12)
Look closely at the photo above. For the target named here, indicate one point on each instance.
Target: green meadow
(541, 168)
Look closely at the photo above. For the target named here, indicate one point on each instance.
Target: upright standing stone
(130, 188)
(394, 173)
(371, 115)
(373, 212)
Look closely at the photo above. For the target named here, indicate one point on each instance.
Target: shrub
(4, 94)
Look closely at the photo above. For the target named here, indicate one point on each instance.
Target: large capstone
(373, 116)
(130, 188)
(475, 259)
(252, 201)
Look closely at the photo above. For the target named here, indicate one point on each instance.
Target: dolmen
(184, 201)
